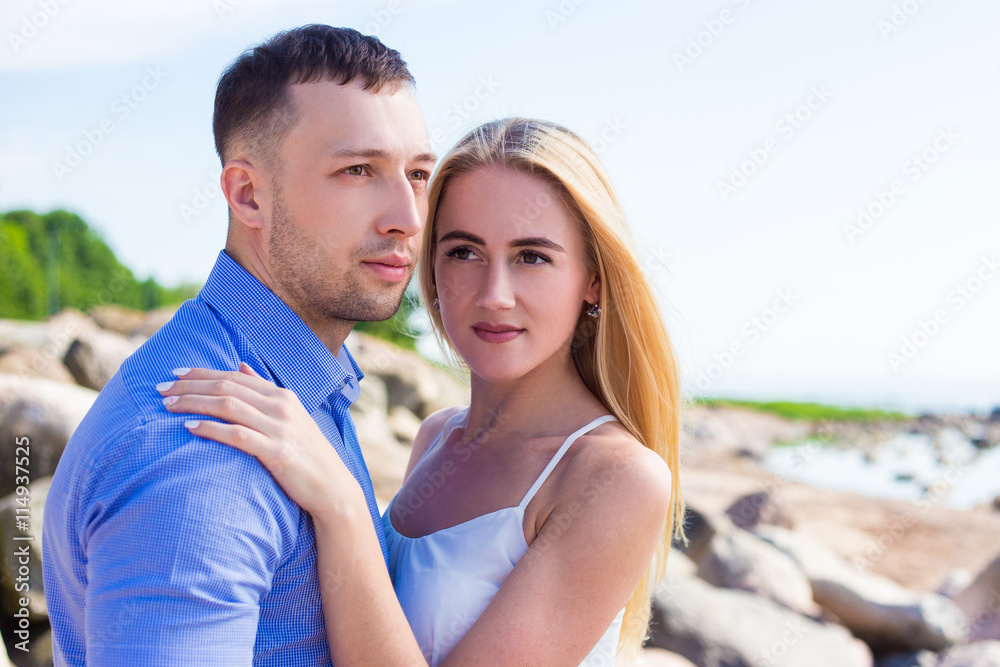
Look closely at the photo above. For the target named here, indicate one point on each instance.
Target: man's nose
(404, 211)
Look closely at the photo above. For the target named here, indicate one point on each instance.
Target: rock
(403, 424)
(715, 627)
(95, 356)
(723, 432)
(977, 654)
(39, 649)
(34, 362)
(909, 659)
(385, 457)
(154, 320)
(657, 657)
(21, 518)
(876, 609)
(53, 338)
(994, 417)
(956, 582)
(119, 319)
(741, 560)
(699, 527)
(410, 380)
(760, 507)
(980, 601)
(44, 412)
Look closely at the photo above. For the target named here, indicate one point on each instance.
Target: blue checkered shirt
(161, 548)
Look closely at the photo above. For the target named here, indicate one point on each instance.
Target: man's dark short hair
(252, 102)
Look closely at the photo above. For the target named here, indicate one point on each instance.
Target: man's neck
(331, 332)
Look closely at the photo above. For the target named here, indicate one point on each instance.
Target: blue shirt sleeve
(180, 550)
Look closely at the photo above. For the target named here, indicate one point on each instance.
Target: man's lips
(496, 333)
(392, 268)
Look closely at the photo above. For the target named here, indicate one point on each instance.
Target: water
(908, 468)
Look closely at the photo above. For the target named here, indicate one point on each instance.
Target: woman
(532, 524)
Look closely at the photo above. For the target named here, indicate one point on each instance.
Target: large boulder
(410, 380)
(741, 560)
(715, 627)
(981, 603)
(21, 562)
(43, 413)
(34, 362)
(761, 507)
(95, 356)
(977, 654)
(876, 609)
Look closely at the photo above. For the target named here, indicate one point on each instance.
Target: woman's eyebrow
(538, 241)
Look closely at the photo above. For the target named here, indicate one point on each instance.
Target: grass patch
(808, 411)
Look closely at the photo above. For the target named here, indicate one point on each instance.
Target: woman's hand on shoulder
(270, 423)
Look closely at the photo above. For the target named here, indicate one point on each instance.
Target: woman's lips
(492, 333)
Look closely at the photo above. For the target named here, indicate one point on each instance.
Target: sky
(811, 186)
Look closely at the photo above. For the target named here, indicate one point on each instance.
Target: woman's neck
(536, 404)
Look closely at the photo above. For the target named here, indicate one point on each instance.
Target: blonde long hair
(624, 357)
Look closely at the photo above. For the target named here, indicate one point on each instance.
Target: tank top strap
(558, 456)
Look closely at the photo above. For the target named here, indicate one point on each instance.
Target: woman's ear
(245, 190)
(593, 294)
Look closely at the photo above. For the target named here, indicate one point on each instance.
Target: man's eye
(356, 170)
(420, 175)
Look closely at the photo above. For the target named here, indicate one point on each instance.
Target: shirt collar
(290, 350)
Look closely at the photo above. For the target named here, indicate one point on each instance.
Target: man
(166, 549)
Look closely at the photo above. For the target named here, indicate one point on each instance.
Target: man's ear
(247, 192)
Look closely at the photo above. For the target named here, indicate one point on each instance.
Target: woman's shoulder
(612, 466)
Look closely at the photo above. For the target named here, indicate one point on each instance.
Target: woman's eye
(460, 253)
(356, 170)
(533, 258)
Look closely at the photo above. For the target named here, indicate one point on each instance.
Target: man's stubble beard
(299, 265)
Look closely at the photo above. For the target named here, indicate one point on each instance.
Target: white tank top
(445, 579)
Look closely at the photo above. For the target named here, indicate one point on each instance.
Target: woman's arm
(581, 568)
(584, 563)
(364, 622)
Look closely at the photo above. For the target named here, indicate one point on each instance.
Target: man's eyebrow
(537, 241)
(377, 154)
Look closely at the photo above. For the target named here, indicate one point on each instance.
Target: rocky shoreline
(774, 572)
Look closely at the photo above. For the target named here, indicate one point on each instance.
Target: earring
(437, 304)
(595, 310)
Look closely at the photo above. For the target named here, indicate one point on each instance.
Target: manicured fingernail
(192, 423)
(163, 386)
(180, 372)
(170, 400)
